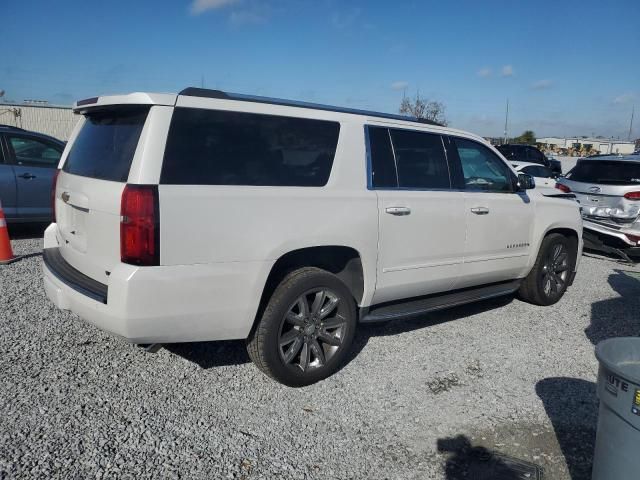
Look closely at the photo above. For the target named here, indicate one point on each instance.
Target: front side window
(421, 160)
(483, 170)
(33, 152)
(215, 147)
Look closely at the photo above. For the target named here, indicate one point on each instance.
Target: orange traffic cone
(6, 254)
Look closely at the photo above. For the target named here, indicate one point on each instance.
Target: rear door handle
(27, 176)
(480, 210)
(400, 211)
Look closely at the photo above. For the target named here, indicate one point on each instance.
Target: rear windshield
(214, 147)
(106, 144)
(606, 172)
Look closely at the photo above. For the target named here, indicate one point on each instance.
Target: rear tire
(549, 278)
(306, 328)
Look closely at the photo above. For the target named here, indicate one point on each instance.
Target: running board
(409, 307)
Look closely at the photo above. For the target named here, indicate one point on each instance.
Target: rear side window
(421, 160)
(609, 172)
(214, 147)
(106, 144)
(383, 164)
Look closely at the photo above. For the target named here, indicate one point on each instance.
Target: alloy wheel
(555, 270)
(312, 330)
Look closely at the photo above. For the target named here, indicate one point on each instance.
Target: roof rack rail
(219, 94)
(12, 127)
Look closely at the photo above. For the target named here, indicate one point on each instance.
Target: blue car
(28, 161)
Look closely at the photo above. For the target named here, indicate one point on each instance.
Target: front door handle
(480, 210)
(27, 176)
(400, 211)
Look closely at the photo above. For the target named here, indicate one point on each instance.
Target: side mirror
(526, 181)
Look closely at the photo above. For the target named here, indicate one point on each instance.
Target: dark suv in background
(28, 162)
(528, 153)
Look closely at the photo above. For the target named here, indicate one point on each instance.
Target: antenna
(506, 123)
(631, 122)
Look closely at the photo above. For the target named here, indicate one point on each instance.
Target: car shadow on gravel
(25, 231)
(572, 406)
(211, 354)
(479, 463)
(234, 352)
(409, 324)
(617, 317)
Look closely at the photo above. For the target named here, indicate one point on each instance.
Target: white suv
(213, 216)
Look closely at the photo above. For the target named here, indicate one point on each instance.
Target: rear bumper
(180, 303)
(608, 239)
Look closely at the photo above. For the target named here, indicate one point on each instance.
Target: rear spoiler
(138, 98)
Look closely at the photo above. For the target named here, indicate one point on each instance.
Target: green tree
(528, 137)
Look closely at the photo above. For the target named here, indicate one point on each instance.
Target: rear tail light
(140, 225)
(632, 195)
(563, 188)
(54, 184)
(633, 238)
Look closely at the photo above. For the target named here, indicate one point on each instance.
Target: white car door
(421, 219)
(499, 218)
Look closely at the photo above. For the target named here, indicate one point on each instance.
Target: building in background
(53, 120)
(585, 146)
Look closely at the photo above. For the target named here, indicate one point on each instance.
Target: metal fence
(48, 119)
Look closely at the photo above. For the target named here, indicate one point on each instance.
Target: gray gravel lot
(505, 375)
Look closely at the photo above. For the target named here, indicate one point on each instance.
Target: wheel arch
(343, 261)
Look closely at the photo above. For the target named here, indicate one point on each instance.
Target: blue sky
(567, 67)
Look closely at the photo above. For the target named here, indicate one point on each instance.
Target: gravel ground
(422, 398)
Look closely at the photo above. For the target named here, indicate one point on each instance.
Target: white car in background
(543, 176)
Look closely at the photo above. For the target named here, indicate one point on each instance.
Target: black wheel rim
(555, 270)
(312, 330)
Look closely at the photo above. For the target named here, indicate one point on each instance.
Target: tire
(549, 278)
(306, 329)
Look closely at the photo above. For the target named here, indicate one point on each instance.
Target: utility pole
(506, 123)
(631, 122)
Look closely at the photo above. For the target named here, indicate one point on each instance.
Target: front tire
(306, 329)
(549, 278)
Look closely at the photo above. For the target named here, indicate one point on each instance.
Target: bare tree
(420, 108)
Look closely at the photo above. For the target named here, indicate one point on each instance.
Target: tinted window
(213, 147)
(383, 167)
(420, 160)
(606, 172)
(35, 152)
(535, 156)
(106, 144)
(483, 170)
(538, 171)
(506, 151)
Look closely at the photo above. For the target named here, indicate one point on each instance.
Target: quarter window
(420, 160)
(483, 170)
(215, 147)
(37, 153)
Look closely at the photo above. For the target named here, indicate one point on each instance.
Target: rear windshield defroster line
(106, 143)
